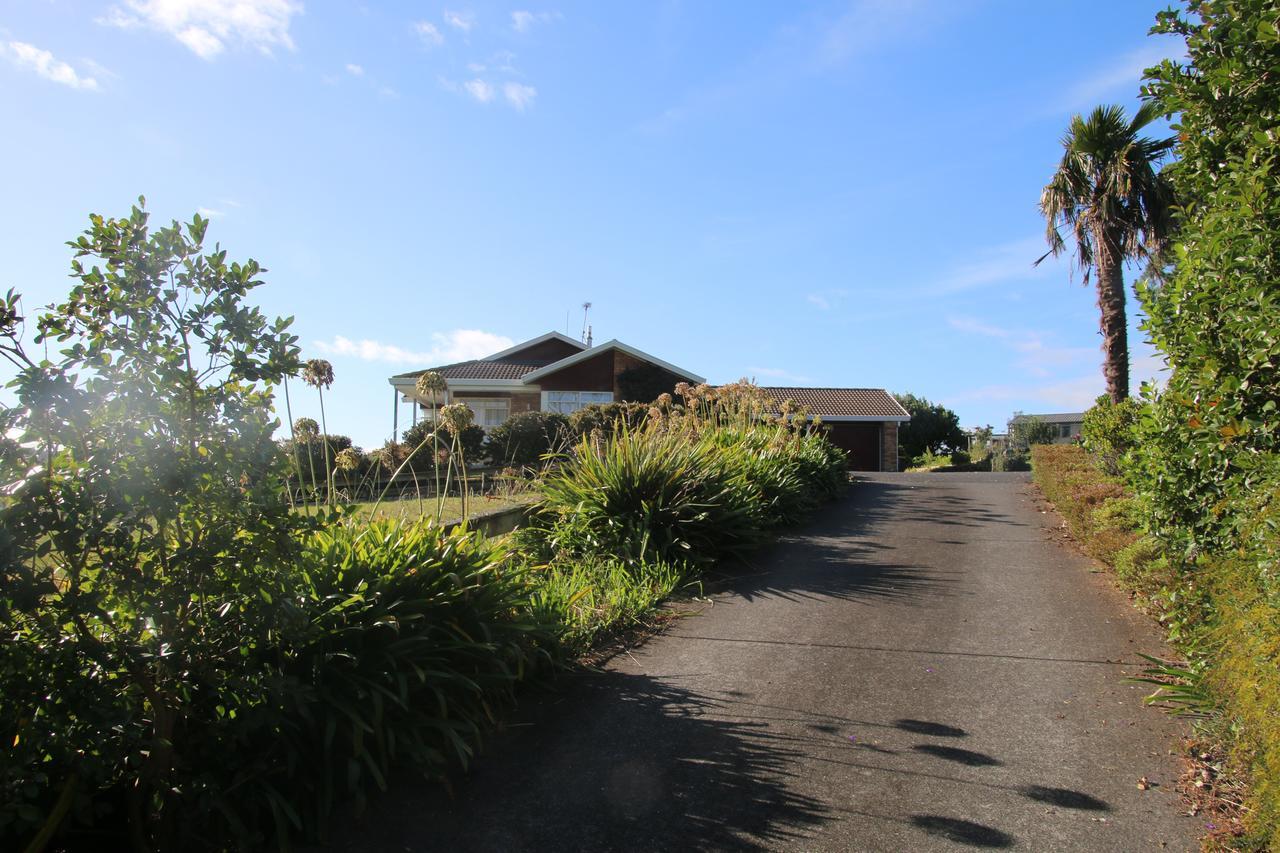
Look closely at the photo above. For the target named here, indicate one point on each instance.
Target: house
(550, 373)
(555, 373)
(1066, 425)
(861, 421)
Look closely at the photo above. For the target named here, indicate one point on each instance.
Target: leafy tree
(525, 438)
(980, 443)
(1116, 206)
(1215, 315)
(933, 428)
(143, 540)
(1026, 432)
(1213, 435)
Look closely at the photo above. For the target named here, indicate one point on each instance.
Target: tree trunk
(1115, 327)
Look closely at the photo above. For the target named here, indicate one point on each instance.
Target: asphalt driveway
(921, 668)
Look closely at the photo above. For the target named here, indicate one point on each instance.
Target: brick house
(555, 373)
(550, 373)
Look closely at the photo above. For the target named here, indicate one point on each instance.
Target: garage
(861, 421)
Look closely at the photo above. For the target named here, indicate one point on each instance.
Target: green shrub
(606, 417)
(1244, 631)
(1109, 431)
(648, 494)
(1026, 432)
(472, 438)
(592, 598)
(1009, 460)
(1143, 567)
(404, 641)
(525, 438)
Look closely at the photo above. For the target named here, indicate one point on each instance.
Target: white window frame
(568, 402)
(489, 411)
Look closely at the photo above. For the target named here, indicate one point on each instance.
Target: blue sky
(828, 194)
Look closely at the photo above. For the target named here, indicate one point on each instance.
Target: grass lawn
(410, 508)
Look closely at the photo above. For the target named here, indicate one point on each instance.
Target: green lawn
(409, 508)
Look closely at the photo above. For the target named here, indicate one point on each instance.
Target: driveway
(920, 668)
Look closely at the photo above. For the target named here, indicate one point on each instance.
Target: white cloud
(1037, 355)
(209, 212)
(44, 63)
(522, 19)
(479, 89)
(777, 373)
(519, 95)
(429, 33)
(504, 61)
(995, 265)
(446, 347)
(387, 93)
(1070, 395)
(1122, 76)
(355, 70)
(824, 299)
(206, 27)
(463, 21)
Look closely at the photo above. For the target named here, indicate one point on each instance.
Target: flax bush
(698, 482)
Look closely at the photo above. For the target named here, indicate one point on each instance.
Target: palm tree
(1108, 193)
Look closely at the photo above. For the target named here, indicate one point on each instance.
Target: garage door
(860, 440)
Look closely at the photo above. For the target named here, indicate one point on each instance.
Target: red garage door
(862, 442)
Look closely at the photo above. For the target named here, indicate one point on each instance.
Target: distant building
(1067, 425)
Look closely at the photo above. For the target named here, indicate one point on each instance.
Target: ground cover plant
(191, 659)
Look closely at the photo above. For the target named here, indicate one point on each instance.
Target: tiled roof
(478, 369)
(842, 402)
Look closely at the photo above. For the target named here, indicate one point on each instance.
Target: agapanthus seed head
(306, 428)
(347, 459)
(430, 383)
(317, 373)
(456, 417)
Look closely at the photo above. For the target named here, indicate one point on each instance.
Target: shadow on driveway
(638, 764)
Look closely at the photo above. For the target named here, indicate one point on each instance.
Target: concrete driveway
(921, 668)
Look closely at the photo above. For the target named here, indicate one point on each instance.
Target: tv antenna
(586, 328)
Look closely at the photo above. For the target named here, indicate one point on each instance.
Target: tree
(1026, 432)
(933, 428)
(1109, 195)
(1213, 435)
(142, 536)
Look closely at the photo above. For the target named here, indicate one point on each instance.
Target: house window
(489, 413)
(568, 402)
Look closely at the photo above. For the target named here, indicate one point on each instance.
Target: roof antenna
(586, 328)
